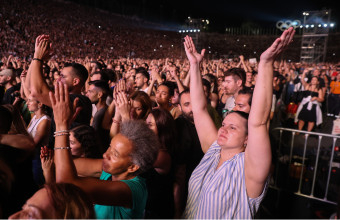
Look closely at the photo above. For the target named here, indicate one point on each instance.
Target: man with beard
(97, 93)
(189, 152)
(234, 80)
(6, 85)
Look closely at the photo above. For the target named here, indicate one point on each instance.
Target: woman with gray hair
(120, 192)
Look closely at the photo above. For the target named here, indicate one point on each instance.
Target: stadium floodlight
(301, 26)
(319, 25)
(312, 26)
(180, 31)
(304, 13)
(325, 25)
(331, 25)
(190, 30)
(307, 25)
(198, 30)
(187, 31)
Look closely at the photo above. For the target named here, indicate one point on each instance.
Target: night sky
(221, 14)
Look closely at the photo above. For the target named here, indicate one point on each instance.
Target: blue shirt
(139, 193)
(221, 193)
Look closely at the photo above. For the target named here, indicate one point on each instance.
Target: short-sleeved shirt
(139, 194)
(221, 193)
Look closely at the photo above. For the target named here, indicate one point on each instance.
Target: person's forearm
(38, 83)
(27, 83)
(179, 85)
(49, 175)
(198, 101)
(64, 166)
(263, 95)
(19, 141)
(107, 119)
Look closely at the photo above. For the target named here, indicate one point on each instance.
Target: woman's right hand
(46, 158)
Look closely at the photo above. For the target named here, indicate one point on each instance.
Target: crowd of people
(98, 128)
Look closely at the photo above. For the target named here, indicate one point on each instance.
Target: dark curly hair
(86, 136)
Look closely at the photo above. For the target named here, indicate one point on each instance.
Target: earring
(245, 145)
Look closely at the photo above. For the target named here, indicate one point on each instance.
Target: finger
(124, 97)
(76, 113)
(61, 92)
(52, 99)
(56, 92)
(203, 52)
(67, 97)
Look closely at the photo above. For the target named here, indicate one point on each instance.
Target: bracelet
(115, 121)
(61, 148)
(40, 60)
(61, 134)
(62, 131)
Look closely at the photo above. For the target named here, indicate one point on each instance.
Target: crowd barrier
(307, 164)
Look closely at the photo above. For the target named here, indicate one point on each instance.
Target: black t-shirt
(189, 151)
(84, 116)
(9, 97)
(103, 136)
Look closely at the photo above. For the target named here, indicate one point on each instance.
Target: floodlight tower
(315, 26)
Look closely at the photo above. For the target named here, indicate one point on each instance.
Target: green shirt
(139, 192)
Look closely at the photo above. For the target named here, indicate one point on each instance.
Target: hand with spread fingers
(192, 54)
(63, 111)
(278, 46)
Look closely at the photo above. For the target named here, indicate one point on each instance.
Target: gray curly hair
(145, 143)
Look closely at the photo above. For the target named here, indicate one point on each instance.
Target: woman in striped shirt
(231, 178)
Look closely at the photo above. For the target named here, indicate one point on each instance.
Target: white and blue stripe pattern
(221, 193)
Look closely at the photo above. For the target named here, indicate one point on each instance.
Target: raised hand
(47, 164)
(63, 111)
(192, 54)
(123, 105)
(278, 46)
(42, 47)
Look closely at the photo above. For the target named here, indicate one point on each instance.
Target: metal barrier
(306, 135)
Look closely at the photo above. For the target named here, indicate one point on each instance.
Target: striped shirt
(221, 193)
